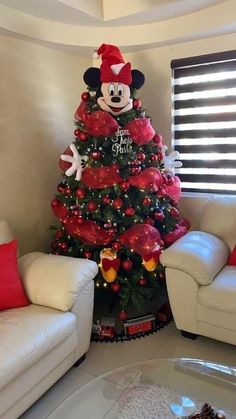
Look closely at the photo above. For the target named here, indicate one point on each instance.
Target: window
(204, 121)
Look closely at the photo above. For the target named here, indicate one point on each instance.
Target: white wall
(40, 89)
(156, 93)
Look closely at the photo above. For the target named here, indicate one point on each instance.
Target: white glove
(169, 161)
(78, 162)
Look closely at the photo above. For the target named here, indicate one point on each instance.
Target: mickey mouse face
(115, 98)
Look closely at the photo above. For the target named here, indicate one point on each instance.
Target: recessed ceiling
(137, 24)
(107, 12)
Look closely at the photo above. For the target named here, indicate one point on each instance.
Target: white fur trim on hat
(117, 67)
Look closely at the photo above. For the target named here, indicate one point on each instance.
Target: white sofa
(201, 286)
(40, 342)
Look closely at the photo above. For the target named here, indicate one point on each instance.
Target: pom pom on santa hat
(113, 67)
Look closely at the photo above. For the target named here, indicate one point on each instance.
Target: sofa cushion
(27, 334)
(221, 293)
(11, 288)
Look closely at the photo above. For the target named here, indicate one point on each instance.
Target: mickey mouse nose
(115, 99)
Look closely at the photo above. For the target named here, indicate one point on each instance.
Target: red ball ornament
(67, 191)
(161, 193)
(96, 155)
(160, 155)
(146, 201)
(55, 203)
(77, 132)
(116, 287)
(64, 246)
(174, 212)
(157, 139)
(124, 186)
(161, 275)
(64, 221)
(85, 96)
(127, 265)
(118, 203)
(142, 281)
(75, 213)
(116, 246)
(150, 221)
(54, 244)
(83, 136)
(59, 234)
(80, 220)
(135, 170)
(106, 200)
(92, 206)
(123, 315)
(129, 211)
(154, 157)
(159, 215)
(61, 187)
(137, 103)
(87, 254)
(141, 156)
(80, 193)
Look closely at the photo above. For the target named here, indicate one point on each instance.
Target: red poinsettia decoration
(89, 232)
(100, 177)
(149, 179)
(141, 130)
(101, 123)
(143, 238)
(82, 112)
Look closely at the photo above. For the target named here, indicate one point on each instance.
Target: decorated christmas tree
(117, 202)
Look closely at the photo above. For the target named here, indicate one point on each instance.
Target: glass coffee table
(146, 390)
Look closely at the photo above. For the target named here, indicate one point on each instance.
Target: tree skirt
(148, 401)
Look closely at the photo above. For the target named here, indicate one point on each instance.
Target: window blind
(204, 121)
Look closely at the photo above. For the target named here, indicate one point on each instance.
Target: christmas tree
(117, 202)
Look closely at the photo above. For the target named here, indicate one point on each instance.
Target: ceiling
(82, 25)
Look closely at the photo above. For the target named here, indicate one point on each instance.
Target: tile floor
(103, 357)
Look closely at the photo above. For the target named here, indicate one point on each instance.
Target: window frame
(195, 66)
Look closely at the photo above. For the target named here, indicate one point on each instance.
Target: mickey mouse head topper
(114, 81)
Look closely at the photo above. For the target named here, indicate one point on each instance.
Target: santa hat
(113, 67)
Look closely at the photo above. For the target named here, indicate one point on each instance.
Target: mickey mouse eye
(120, 89)
(111, 89)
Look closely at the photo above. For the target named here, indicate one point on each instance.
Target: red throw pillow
(12, 293)
(232, 258)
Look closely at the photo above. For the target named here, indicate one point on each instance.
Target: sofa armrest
(198, 254)
(55, 281)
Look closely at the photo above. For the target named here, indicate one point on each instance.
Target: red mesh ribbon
(141, 130)
(149, 179)
(100, 177)
(174, 235)
(143, 238)
(174, 190)
(101, 123)
(59, 210)
(88, 232)
(82, 112)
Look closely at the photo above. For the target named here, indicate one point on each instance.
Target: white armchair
(41, 341)
(201, 286)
